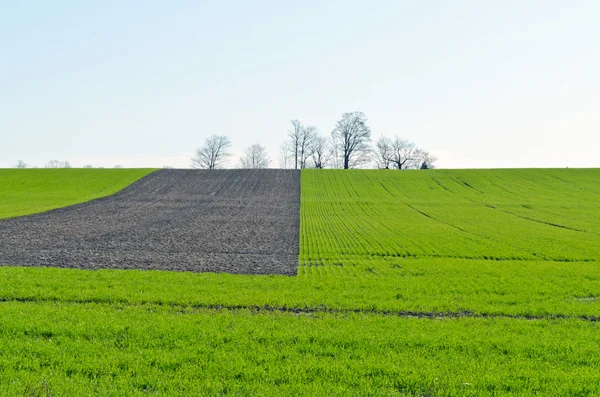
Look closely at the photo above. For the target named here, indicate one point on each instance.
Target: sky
(479, 84)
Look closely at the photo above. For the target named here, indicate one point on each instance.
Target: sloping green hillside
(29, 191)
(476, 214)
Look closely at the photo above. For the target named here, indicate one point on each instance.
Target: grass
(30, 191)
(410, 283)
(115, 349)
(529, 289)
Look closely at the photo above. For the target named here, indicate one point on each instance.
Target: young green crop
(476, 214)
(515, 288)
(29, 191)
(115, 349)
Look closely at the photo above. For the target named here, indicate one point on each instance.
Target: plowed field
(237, 221)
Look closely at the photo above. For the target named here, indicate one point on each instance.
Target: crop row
(489, 214)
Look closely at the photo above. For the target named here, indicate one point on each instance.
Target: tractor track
(308, 310)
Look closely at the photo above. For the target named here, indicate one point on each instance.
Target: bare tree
(336, 159)
(88, 166)
(214, 152)
(118, 166)
(321, 151)
(352, 138)
(402, 153)
(384, 152)
(52, 164)
(301, 142)
(57, 164)
(285, 155)
(255, 156)
(295, 135)
(309, 134)
(423, 160)
(21, 164)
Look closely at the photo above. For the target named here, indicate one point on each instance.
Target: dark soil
(235, 221)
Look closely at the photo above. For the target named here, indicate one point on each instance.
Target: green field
(29, 191)
(491, 214)
(410, 283)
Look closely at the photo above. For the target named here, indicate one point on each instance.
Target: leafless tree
(255, 156)
(336, 159)
(301, 141)
(88, 166)
(309, 134)
(321, 151)
(118, 166)
(423, 160)
(285, 156)
(295, 135)
(57, 164)
(21, 164)
(213, 154)
(352, 138)
(402, 153)
(384, 153)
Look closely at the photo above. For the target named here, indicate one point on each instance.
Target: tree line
(56, 164)
(348, 146)
(49, 164)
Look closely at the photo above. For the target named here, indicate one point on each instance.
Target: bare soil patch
(236, 221)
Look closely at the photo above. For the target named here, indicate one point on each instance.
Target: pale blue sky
(142, 83)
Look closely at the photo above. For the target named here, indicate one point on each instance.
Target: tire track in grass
(533, 183)
(572, 218)
(479, 238)
(309, 310)
(535, 254)
(547, 223)
(406, 252)
(464, 231)
(480, 203)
